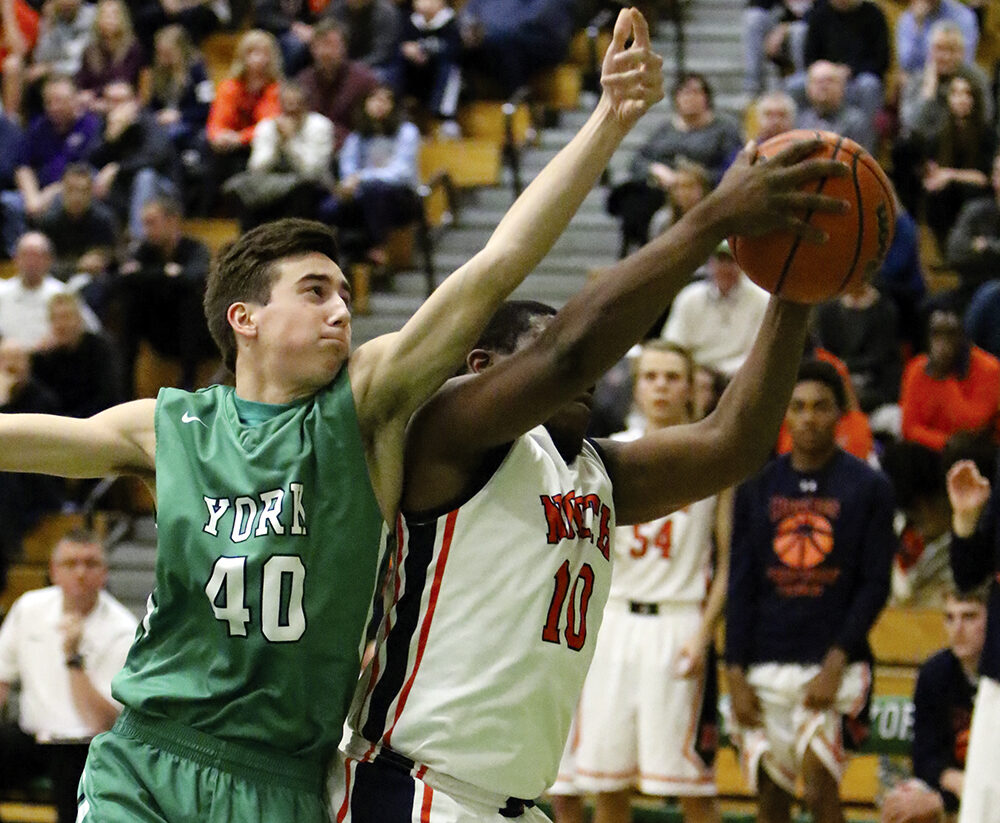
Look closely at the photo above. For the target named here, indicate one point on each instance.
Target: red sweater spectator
(236, 108)
(954, 387)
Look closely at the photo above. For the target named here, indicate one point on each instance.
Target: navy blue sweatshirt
(942, 712)
(833, 530)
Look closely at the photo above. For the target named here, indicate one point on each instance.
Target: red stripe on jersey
(342, 811)
(425, 628)
(425, 809)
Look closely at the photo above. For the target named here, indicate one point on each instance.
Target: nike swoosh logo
(189, 418)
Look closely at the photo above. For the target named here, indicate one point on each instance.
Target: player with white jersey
(505, 541)
(647, 717)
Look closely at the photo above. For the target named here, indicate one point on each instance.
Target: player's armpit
(120, 440)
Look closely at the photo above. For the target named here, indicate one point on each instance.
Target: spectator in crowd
(923, 108)
(289, 166)
(958, 159)
(80, 366)
(860, 327)
(61, 135)
(913, 30)
(924, 103)
(694, 131)
(428, 65)
(691, 184)
(11, 205)
(975, 561)
(24, 298)
(292, 23)
(852, 432)
(62, 645)
(901, 279)
(809, 574)
(774, 31)
(136, 159)
(709, 384)
(334, 85)
(24, 498)
(954, 387)
(942, 715)
(827, 107)
(375, 191)
(63, 36)
(507, 42)
(160, 289)
(921, 574)
(716, 319)
(853, 34)
(654, 669)
(77, 223)
(18, 35)
(982, 318)
(973, 248)
(372, 29)
(242, 100)
(113, 52)
(180, 89)
(775, 112)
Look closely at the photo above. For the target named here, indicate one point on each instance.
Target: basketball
(790, 267)
(803, 540)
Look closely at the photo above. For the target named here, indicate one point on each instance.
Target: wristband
(74, 661)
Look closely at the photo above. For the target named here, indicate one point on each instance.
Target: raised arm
(394, 374)
(120, 440)
(471, 416)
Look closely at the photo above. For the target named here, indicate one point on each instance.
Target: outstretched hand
(632, 78)
(760, 195)
(968, 490)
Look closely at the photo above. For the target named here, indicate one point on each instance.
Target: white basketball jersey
(668, 559)
(491, 616)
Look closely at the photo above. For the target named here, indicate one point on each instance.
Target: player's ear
(479, 360)
(241, 320)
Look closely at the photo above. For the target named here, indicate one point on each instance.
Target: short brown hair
(245, 270)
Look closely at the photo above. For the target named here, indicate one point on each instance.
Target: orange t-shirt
(27, 22)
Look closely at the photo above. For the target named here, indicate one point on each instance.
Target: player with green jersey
(270, 497)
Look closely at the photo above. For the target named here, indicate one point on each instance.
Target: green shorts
(149, 770)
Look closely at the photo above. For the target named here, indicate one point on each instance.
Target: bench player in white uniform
(647, 716)
(503, 566)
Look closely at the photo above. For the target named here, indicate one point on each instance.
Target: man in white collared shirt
(716, 319)
(62, 645)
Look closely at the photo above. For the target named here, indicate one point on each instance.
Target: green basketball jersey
(266, 562)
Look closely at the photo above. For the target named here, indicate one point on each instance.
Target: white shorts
(373, 792)
(639, 724)
(790, 729)
(981, 790)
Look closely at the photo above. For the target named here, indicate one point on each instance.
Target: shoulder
(115, 612)
(983, 360)
(37, 601)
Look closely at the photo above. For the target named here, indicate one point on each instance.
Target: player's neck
(255, 385)
(809, 462)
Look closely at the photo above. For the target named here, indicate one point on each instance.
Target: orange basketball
(806, 272)
(803, 540)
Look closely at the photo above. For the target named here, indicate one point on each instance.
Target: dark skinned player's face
(568, 425)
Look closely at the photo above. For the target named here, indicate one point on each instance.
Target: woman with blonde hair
(242, 100)
(180, 89)
(113, 53)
